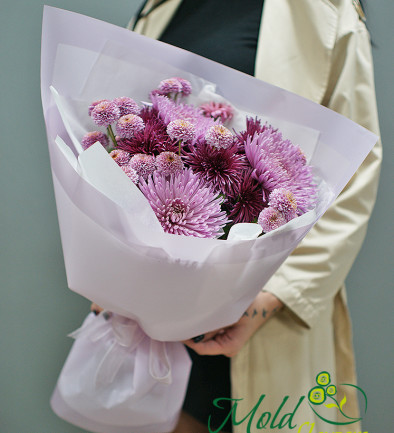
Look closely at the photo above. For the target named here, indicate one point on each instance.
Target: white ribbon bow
(127, 335)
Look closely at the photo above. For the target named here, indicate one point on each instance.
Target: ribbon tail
(159, 363)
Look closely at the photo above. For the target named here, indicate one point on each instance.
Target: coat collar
(294, 47)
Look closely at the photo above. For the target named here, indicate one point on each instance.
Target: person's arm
(229, 341)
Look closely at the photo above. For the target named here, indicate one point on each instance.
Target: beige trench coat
(319, 49)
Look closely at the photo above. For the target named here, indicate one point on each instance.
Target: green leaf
(343, 402)
(330, 405)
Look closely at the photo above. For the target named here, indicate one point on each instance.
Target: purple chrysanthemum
(93, 104)
(127, 105)
(184, 205)
(182, 130)
(270, 219)
(130, 173)
(247, 200)
(168, 111)
(152, 140)
(92, 137)
(277, 163)
(168, 163)
(169, 86)
(217, 110)
(220, 168)
(120, 156)
(219, 136)
(186, 86)
(105, 113)
(174, 86)
(128, 125)
(143, 164)
(284, 201)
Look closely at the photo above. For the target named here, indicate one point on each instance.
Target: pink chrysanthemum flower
(247, 200)
(220, 168)
(105, 113)
(218, 110)
(120, 156)
(277, 163)
(168, 111)
(184, 205)
(219, 136)
(152, 140)
(143, 164)
(186, 86)
(93, 104)
(181, 130)
(270, 219)
(168, 86)
(168, 163)
(127, 105)
(130, 173)
(92, 137)
(128, 125)
(284, 201)
(174, 86)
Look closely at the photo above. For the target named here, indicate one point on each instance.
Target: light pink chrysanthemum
(168, 111)
(168, 163)
(181, 130)
(93, 104)
(120, 156)
(277, 163)
(186, 86)
(130, 173)
(270, 219)
(128, 125)
(219, 136)
(174, 86)
(168, 86)
(127, 105)
(184, 205)
(92, 137)
(153, 139)
(105, 113)
(143, 164)
(217, 110)
(284, 201)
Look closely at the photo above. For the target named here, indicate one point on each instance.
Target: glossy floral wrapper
(116, 252)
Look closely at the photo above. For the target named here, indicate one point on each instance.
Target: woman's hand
(229, 341)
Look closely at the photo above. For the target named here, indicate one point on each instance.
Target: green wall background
(36, 308)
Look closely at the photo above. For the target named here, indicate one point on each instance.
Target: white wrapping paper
(115, 253)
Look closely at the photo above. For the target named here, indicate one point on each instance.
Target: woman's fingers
(96, 309)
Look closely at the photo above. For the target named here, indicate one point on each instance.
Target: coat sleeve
(312, 275)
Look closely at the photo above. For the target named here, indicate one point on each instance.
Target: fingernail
(199, 338)
(96, 312)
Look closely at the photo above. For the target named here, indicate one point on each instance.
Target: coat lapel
(295, 45)
(154, 25)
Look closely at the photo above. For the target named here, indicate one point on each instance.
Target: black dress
(225, 31)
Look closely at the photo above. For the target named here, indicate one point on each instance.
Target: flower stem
(112, 136)
(179, 151)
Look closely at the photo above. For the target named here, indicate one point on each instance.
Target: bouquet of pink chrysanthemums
(199, 176)
(161, 211)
